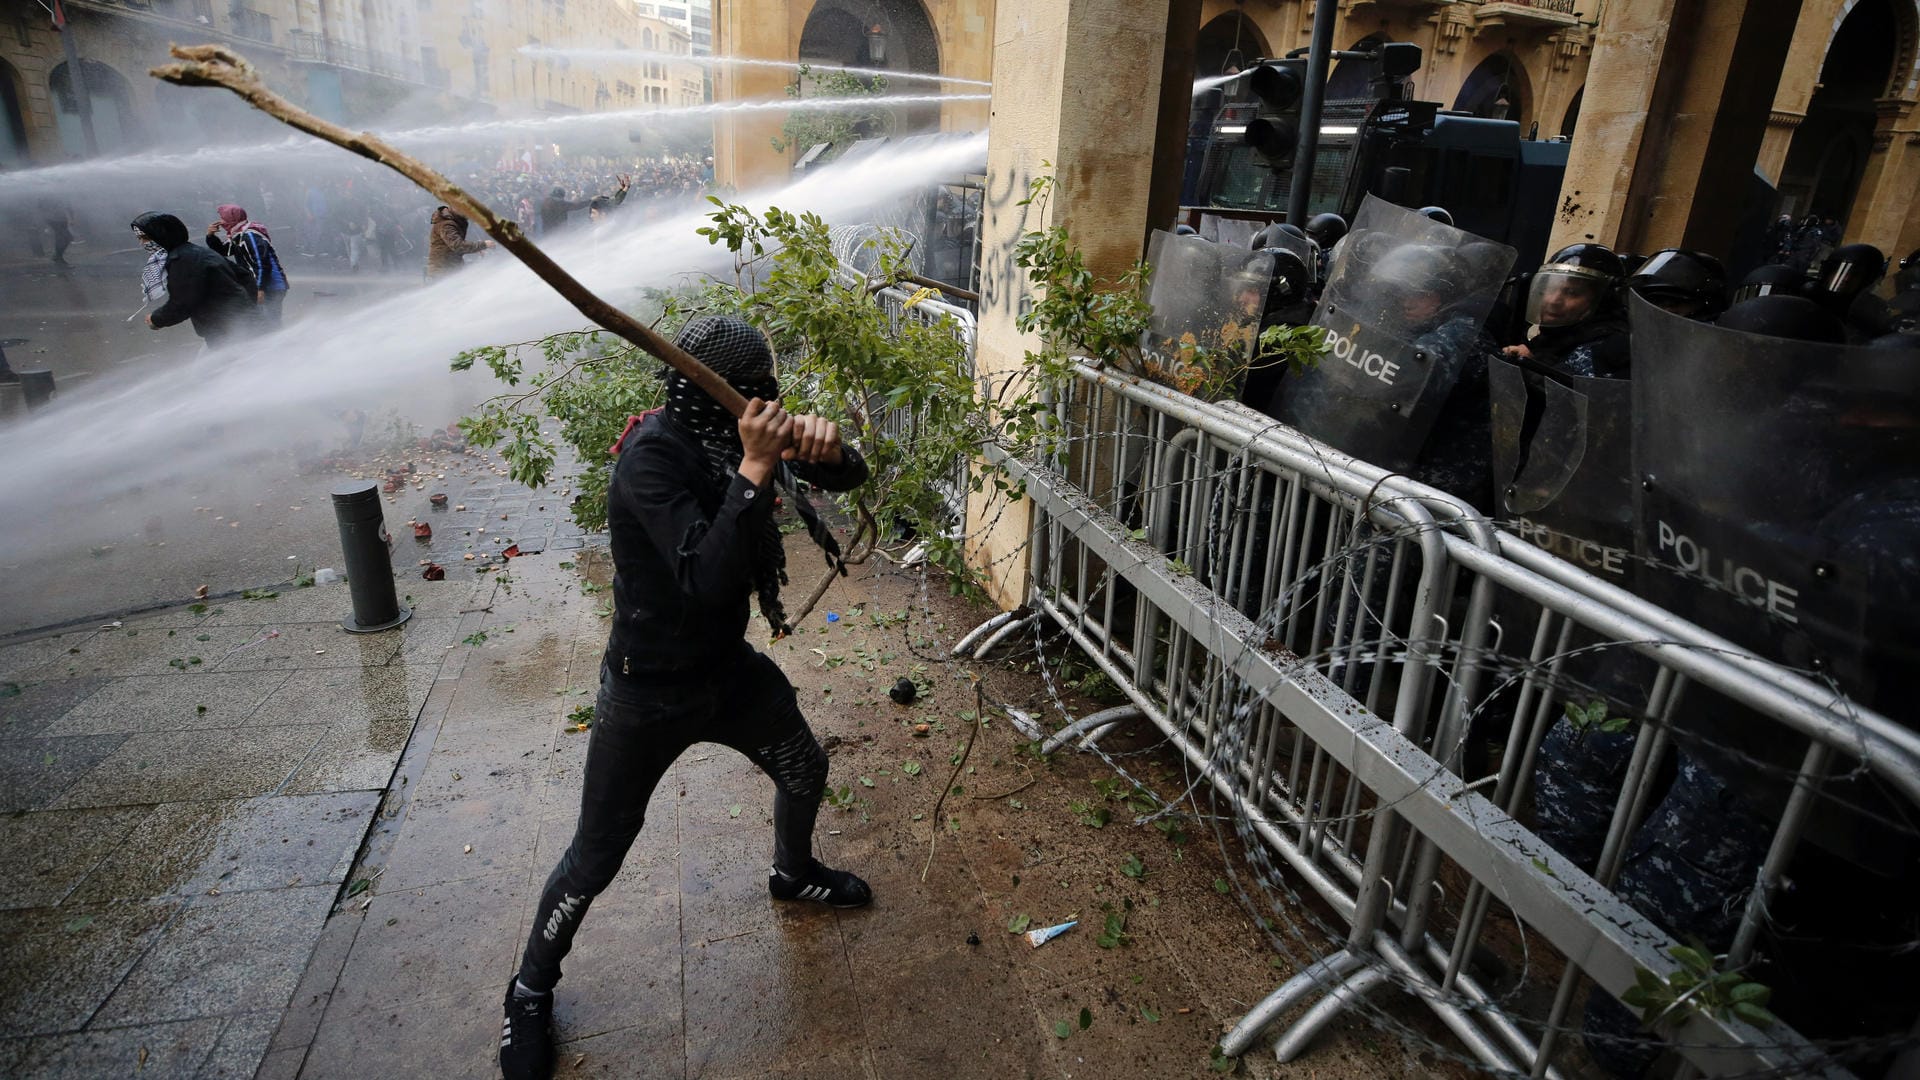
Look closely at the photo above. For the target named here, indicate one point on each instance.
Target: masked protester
(1573, 306)
(248, 245)
(694, 536)
(202, 287)
(447, 243)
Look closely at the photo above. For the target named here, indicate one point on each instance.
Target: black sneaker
(834, 888)
(526, 1037)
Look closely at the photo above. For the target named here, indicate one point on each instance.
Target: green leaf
(1062, 1030)
(1754, 1014)
(1086, 1018)
(1617, 725)
(1752, 993)
(1693, 960)
(911, 768)
(1147, 1014)
(866, 781)
(478, 637)
(1133, 867)
(1019, 923)
(77, 924)
(1220, 886)
(734, 810)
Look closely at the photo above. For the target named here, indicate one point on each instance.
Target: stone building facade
(356, 63)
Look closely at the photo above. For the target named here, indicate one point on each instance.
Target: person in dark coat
(447, 243)
(203, 287)
(556, 206)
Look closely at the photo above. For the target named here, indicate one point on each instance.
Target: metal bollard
(363, 540)
(36, 387)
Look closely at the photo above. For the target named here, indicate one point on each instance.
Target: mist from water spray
(144, 167)
(622, 56)
(1201, 86)
(107, 455)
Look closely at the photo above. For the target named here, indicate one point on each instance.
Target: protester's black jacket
(202, 286)
(683, 552)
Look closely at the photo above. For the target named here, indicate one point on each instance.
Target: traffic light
(1274, 129)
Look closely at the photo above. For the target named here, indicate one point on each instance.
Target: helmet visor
(1848, 278)
(1562, 297)
(1749, 290)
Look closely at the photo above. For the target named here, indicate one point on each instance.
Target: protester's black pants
(639, 729)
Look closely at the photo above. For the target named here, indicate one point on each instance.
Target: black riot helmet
(1184, 229)
(1290, 229)
(1326, 229)
(1416, 282)
(1908, 276)
(1291, 278)
(1436, 213)
(1782, 316)
(1692, 284)
(1574, 285)
(1851, 270)
(1771, 280)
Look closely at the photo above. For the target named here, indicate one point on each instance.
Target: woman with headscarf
(691, 515)
(248, 245)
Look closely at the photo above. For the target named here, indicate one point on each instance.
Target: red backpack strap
(632, 422)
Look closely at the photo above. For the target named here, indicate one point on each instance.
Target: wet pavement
(685, 967)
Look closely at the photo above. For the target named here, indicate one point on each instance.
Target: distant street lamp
(876, 45)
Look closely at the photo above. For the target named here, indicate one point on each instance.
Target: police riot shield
(1780, 508)
(1563, 464)
(1402, 309)
(1207, 299)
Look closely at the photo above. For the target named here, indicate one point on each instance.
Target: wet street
(256, 522)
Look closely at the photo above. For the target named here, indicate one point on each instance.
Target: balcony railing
(1531, 12)
(306, 45)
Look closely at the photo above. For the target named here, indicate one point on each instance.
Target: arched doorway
(890, 35)
(1572, 118)
(1829, 151)
(1228, 43)
(1497, 89)
(13, 121)
(112, 104)
(1352, 79)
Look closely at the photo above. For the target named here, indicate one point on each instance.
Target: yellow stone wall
(770, 30)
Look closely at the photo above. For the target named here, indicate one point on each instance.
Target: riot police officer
(1574, 307)
(1691, 284)
(1903, 311)
(1326, 230)
(1844, 287)
(1774, 278)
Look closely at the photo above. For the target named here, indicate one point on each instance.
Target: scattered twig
(1004, 794)
(979, 718)
(216, 65)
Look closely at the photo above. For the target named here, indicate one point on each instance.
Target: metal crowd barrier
(1319, 638)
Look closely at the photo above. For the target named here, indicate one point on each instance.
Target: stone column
(1075, 90)
(1885, 211)
(1678, 96)
(743, 153)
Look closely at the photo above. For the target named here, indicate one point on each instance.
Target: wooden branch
(216, 65)
(950, 290)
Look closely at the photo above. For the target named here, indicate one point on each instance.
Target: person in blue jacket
(248, 245)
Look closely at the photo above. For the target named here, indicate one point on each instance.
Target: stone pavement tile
(723, 886)
(625, 967)
(649, 1049)
(292, 605)
(1121, 1041)
(178, 766)
(769, 996)
(61, 963)
(174, 1051)
(35, 772)
(437, 1032)
(301, 646)
(430, 848)
(518, 674)
(425, 640)
(234, 845)
(483, 761)
(241, 1046)
(353, 755)
(47, 853)
(281, 1064)
(224, 954)
(153, 650)
(348, 695)
(37, 705)
(435, 940)
(315, 990)
(172, 702)
(41, 658)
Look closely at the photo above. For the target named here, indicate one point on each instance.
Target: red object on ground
(390, 487)
(438, 499)
(422, 531)
(434, 572)
(511, 551)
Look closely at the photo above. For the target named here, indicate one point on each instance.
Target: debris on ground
(1040, 937)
